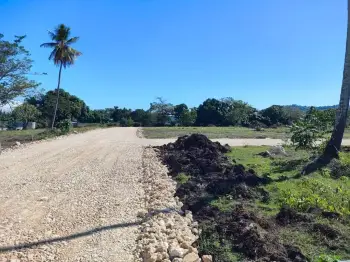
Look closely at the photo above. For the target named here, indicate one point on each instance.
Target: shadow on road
(65, 238)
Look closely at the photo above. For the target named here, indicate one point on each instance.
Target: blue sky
(261, 51)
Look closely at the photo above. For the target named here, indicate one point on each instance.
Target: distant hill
(305, 108)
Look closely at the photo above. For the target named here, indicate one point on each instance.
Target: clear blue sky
(261, 51)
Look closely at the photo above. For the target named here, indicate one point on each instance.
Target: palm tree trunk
(57, 97)
(333, 147)
(334, 143)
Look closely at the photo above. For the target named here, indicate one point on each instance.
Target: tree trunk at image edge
(333, 147)
(57, 97)
(334, 143)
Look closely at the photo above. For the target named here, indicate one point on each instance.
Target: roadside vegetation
(255, 204)
(9, 138)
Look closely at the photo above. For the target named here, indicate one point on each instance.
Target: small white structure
(31, 125)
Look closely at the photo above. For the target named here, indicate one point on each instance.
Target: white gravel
(86, 183)
(166, 233)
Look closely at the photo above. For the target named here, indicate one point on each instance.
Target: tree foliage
(211, 112)
(315, 126)
(162, 111)
(275, 115)
(70, 107)
(26, 113)
(15, 64)
(62, 53)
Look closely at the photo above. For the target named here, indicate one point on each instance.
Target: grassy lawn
(319, 190)
(220, 132)
(8, 138)
(215, 132)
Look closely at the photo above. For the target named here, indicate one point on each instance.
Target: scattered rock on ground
(207, 258)
(167, 232)
(277, 151)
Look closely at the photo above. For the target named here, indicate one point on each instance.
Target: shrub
(182, 178)
(308, 131)
(65, 126)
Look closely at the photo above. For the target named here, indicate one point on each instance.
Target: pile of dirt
(288, 216)
(210, 170)
(212, 175)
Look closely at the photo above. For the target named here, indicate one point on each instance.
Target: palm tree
(62, 55)
(333, 147)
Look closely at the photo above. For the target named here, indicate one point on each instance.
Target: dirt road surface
(73, 199)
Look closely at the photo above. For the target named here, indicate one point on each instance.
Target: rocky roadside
(167, 233)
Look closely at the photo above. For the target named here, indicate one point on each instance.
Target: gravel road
(77, 196)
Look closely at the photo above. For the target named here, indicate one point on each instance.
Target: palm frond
(62, 53)
(53, 54)
(62, 33)
(72, 40)
(50, 45)
(52, 35)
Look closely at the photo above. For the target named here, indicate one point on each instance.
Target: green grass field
(220, 132)
(287, 187)
(215, 132)
(8, 138)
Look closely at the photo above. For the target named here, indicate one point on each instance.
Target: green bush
(65, 126)
(182, 178)
(314, 127)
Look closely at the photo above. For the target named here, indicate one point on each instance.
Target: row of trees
(212, 112)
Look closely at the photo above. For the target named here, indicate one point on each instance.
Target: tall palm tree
(62, 55)
(333, 146)
(334, 143)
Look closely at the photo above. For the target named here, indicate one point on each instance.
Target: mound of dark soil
(213, 175)
(253, 236)
(288, 215)
(326, 230)
(209, 168)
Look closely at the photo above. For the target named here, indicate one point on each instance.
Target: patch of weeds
(48, 134)
(327, 258)
(309, 245)
(341, 167)
(224, 204)
(287, 166)
(269, 210)
(310, 192)
(210, 243)
(281, 165)
(248, 156)
(182, 178)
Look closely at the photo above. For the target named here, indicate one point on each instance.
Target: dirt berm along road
(75, 198)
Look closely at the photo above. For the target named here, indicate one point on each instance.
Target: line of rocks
(167, 233)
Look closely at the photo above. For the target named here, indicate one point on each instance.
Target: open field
(220, 132)
(8, 138)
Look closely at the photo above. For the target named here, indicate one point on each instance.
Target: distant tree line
(212, 112)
